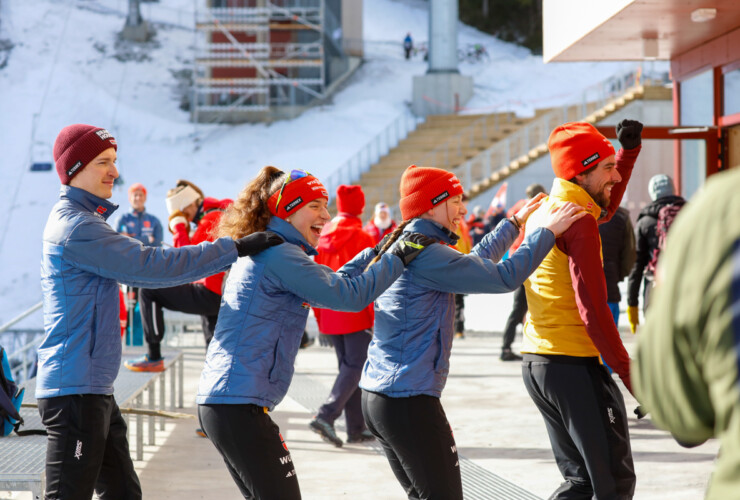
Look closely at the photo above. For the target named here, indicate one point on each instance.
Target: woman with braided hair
(408, 357)
(265, 305)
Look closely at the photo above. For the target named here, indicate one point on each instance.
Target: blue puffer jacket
(410, 351)
(264, 311)
(83, 261)
(142, 226)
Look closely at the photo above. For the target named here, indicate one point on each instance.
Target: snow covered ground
(66, 67)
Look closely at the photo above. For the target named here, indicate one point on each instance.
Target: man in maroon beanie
(83, 261)
(570, 324)
(341, 239)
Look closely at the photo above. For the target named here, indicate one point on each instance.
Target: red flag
(498, 203)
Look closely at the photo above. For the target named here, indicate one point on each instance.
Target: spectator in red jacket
(342, 239)
(381, 224)
(186, 204)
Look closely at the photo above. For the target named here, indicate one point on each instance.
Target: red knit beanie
(296, 193)
(350, 200)
(576, 147)
(76, 146)
(422, 188)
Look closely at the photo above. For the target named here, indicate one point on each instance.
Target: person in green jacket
(688, 355)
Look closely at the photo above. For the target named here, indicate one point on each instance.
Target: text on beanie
(575, 147)
(76, 146)
(298, 189)
(422, 188)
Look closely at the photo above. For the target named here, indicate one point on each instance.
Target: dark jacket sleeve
(642, 257)
(581, 243)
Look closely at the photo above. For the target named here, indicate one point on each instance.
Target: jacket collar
(431, 229)
(99, 206)
(568, 191)
(290, 234)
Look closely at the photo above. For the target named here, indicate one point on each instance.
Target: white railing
(380, 145)
(527, 140)
(22, 359)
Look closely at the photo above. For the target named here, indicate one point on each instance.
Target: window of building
(697, 100)
(731, 92)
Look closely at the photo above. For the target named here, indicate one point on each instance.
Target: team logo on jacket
(591, 159)
(101, 210)
(147, 223)
(290, 206)
(440, 197)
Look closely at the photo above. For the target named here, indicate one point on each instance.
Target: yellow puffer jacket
(553, 325)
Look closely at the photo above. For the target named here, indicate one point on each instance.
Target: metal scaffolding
(255, 56)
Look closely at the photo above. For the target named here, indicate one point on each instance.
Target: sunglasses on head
(295, 174)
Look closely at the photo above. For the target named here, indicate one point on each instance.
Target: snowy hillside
(66, 66)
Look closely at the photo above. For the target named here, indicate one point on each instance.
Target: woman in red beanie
(249, 365)
(340, 241)
(408, 357)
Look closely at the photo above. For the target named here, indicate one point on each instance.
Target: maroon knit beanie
(350, 199)
(575, 147)
(76, 146)
(422, 188)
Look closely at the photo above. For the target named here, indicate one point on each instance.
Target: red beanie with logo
(575, 147)
(423, 188)
(295, 194)
(76, 146)
(350, 200)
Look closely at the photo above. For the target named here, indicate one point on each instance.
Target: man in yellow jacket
(570, 324)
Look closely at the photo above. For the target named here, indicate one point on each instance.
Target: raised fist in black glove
(629, 133)
(256, 242)
(409, 246)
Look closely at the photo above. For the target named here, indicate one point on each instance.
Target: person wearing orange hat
(266, 301)
(409, 355)
(137, 223)
(570, 325)
(187, 205)
(341, 239)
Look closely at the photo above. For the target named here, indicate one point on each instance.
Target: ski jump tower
(261, 60)
(442, 90)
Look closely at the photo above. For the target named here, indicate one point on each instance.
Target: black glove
(382, 243)
(640, 411)
(256, 242)
(629, 133)
(409, 246)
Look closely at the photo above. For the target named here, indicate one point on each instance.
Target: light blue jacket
(264, 311)
(141, 225)
(83, 261)
(410, 351)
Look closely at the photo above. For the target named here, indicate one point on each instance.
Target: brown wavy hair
(249, 213)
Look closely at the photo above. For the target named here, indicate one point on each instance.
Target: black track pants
(87, 449)
(192, 298)
(253, 449)
(587, 424)
(418, 442)
(516, 317)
